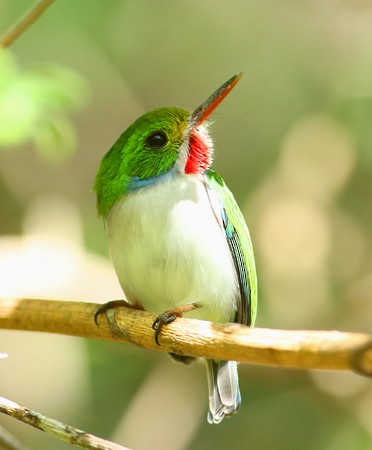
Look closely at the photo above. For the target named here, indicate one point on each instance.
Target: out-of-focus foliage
(293, 142)
(356, 113)
(34, 105)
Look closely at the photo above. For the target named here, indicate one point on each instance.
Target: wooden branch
(55, 428)
(297, 349)
(24, 23)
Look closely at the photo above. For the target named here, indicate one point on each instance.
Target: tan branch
(55, 428)
(24, 23)
(298, 348)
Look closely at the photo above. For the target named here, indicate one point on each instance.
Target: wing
(240, 244)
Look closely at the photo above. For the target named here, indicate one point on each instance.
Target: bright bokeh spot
(294, 235)
(317, 157)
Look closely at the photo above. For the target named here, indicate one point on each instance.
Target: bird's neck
(195, 158)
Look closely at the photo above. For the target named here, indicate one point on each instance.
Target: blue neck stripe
(137, 182)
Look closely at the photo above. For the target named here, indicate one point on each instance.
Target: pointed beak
(203, 111)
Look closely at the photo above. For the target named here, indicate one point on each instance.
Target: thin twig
(24, 23)
(55, 428)
(285, 348)
(9, 442)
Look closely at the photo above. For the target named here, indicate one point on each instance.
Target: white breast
(169, 249)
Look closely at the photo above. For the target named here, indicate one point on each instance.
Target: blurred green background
(293, 142)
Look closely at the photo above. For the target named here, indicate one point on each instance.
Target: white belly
(169, 250)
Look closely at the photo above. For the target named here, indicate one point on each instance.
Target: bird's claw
(163, 319)
(102, 309)
(169, 316)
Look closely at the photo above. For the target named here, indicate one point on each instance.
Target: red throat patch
(200, 154)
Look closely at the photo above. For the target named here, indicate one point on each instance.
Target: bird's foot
(169, 316)
(182, 358)
(102, 309)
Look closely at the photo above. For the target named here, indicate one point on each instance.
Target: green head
(160, 141)
(146, 150)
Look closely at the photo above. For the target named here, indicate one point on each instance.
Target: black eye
(157, 140)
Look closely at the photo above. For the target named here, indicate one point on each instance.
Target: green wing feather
(241, 249)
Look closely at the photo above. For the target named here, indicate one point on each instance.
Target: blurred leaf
(7, 67)
(356, 114)
(34, 104)
(55, 139)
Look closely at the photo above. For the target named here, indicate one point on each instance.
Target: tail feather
(224, 393)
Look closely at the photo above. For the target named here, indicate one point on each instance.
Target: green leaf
(35, 104)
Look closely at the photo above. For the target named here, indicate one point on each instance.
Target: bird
(178, 241)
